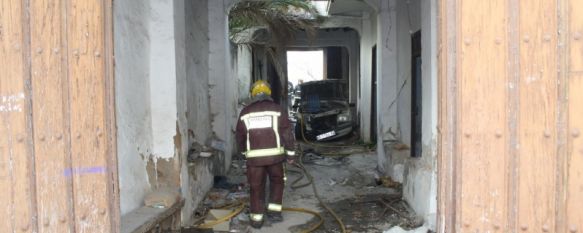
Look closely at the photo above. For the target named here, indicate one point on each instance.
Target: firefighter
(264, 136)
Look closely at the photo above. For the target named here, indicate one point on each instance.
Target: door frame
(447, 115)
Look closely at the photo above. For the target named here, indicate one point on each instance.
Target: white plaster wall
(183, 93)
(222, 83)
(169, 68)
(197, 63)
(429, 70)
(133, 112)
(163, 77)
(408, 22)
(396, 21)
(367, 41)
(387, 85)
(419, 175)
(243, 72)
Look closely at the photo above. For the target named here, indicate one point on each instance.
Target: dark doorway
(274, 80)
(373, 102)
(334, 65)
(416, 94)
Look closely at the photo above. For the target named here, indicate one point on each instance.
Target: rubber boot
(256, 224)
(274, 216)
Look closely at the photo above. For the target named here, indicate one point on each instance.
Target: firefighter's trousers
(256, 176)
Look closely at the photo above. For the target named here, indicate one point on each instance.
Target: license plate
(325, 135)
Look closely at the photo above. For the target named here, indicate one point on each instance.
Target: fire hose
(304, 174)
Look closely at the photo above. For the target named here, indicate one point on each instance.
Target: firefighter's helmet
(260, 87)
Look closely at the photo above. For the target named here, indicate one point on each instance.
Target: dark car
(323, 110)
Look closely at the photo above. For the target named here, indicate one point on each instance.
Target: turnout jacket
(264, 133)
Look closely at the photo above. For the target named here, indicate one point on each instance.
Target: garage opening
(305, 66)
(319, 94)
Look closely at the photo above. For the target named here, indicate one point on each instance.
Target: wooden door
(58, 170)
(511, 97)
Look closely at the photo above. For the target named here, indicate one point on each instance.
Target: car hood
(324, 106)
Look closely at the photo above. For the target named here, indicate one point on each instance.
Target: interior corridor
(122, 116)
(182, 78)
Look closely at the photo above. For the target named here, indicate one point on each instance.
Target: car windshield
(324, 90)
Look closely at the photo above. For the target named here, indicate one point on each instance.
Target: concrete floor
(348, 187)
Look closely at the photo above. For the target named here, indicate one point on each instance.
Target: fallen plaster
(419, 179)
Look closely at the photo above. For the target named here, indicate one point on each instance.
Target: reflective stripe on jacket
(264, 132)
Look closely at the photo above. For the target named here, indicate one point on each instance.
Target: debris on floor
(349, 185)
(388, 182)
(223, 209)
(369, 213)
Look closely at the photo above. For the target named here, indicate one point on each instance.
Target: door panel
(16, 153)
(574, 221)
(536, 158)
(57, 149)
(511, 153)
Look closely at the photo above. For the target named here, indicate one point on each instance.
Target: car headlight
(343, 117)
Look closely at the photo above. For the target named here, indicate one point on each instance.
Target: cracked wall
(168, 88)
(390, 28)
(418, 175)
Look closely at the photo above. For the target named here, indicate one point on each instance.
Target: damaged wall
(408, 22)
(384, 28)
(379, 29)
(222, 83)
(147, 74)
(197, 65)
(150, 89)
(243, 71)
(163, 78)
(163, 74)
(133, 110)
(418, 175)
(211, 95)
(391, 28)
